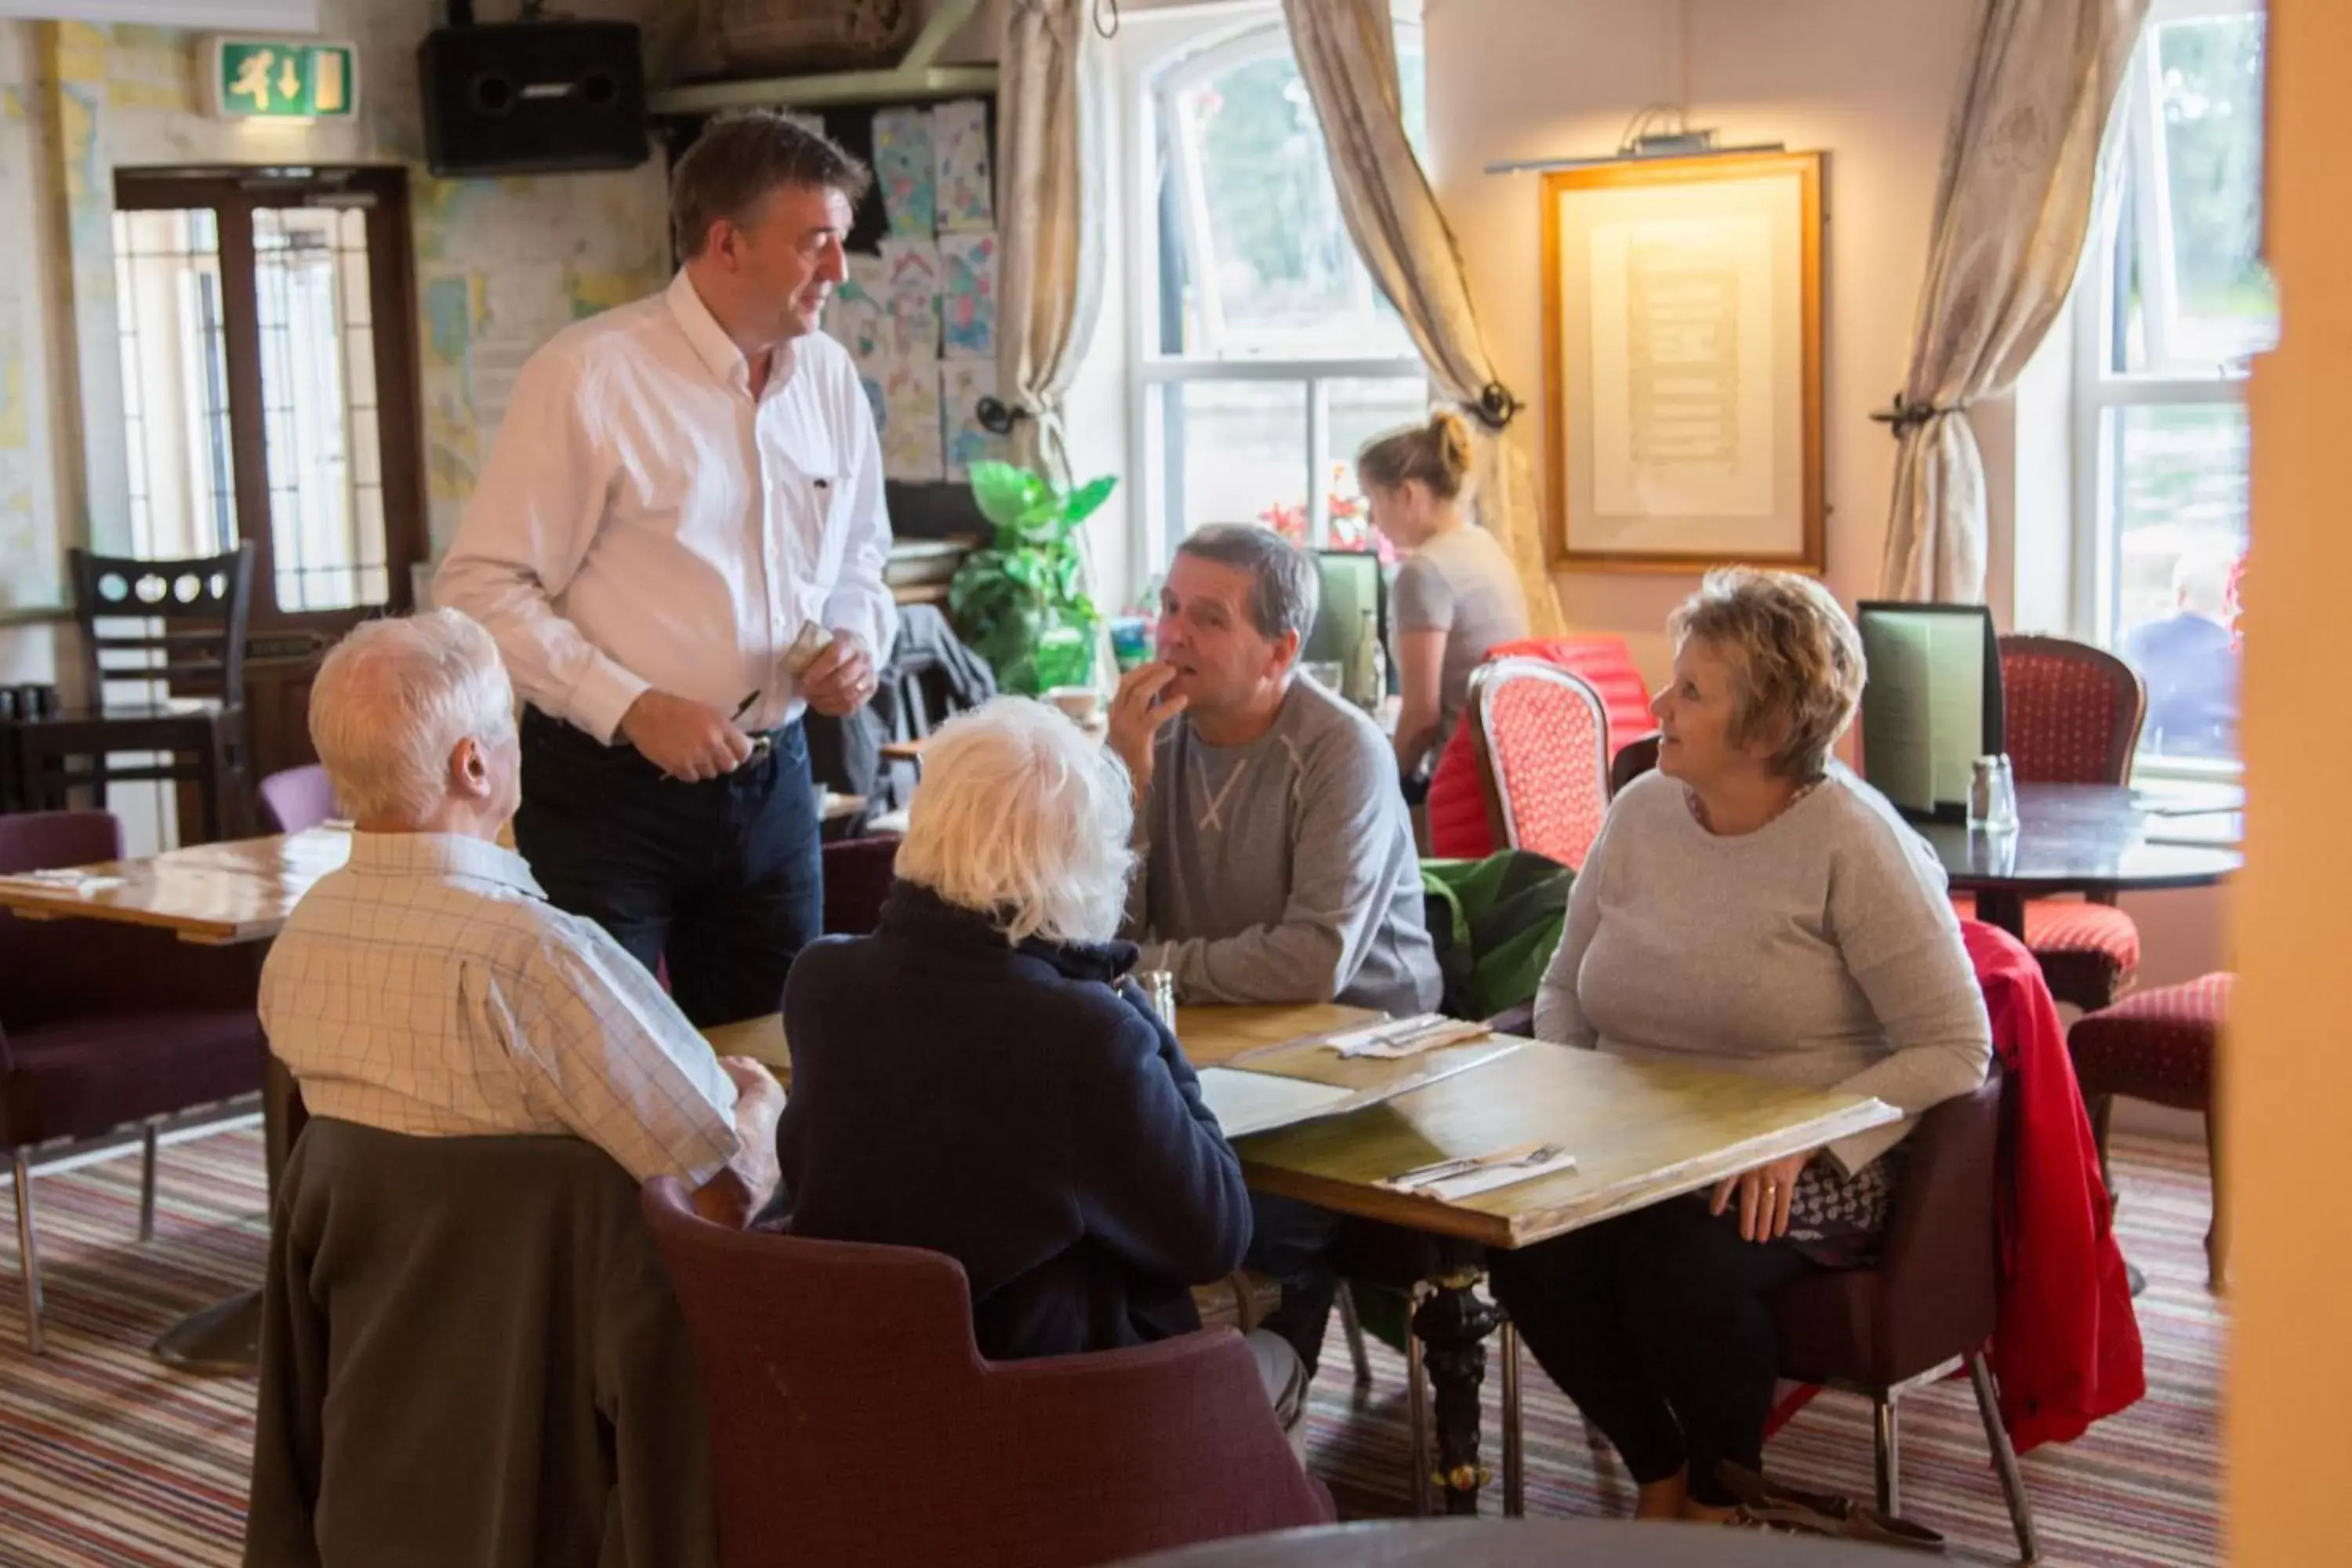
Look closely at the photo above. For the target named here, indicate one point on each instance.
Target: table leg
(223, 1340)
(1452, 1325)
(1999, 907)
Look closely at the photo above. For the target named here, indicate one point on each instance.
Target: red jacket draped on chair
(2067, 1351)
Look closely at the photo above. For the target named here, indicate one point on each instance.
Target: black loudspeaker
(529, 98)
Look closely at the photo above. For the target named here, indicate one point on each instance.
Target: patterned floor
(106, 1457)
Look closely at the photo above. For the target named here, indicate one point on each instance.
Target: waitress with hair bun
(1455, 596)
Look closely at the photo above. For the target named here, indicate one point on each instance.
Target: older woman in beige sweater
(1753, 908)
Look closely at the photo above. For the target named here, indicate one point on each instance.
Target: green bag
(1495, 923)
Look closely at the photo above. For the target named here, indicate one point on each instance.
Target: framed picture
(1682, 302)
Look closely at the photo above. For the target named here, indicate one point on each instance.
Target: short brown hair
(742, 156)
(1796, 660)
(1436, 453)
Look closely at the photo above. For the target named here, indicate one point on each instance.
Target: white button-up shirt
(428, 987)
(643, 521)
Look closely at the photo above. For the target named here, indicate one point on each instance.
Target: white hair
(391, 701)
(1023, 818)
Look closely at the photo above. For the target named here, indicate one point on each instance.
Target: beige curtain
(2012, 210)
(1050, 193)
(1347, 54)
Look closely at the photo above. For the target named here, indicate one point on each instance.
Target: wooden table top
(1640, 1132)
(238, 891)
(211, 894)
(1211, 1036)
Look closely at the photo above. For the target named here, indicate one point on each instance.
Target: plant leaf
(1008, 494)
(1082, 503)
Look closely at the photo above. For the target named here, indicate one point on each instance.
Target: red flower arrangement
(1351, 528)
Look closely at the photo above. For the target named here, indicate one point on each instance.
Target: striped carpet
(106, 1458)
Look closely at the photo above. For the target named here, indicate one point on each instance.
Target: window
(2174, 303)
(267, 391)
(1264, 354)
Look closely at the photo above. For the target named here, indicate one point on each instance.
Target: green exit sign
(281, 78)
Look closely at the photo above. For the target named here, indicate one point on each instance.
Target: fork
(1446, 1170)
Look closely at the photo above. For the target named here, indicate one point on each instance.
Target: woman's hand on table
(1763, 1195)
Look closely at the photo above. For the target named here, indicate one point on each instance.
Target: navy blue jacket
(1005, 1105)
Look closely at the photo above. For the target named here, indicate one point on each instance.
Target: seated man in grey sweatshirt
(1277, 853)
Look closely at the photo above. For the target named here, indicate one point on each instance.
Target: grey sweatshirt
(1283, 870)
(1818, 951)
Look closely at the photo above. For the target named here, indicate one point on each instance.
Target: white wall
(1870, 83)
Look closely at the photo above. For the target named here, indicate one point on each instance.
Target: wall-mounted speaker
(529, 98)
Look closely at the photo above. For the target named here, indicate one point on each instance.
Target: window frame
(232, 197)
(1150, 83)
(2097, 389)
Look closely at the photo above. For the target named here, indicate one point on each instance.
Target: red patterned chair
(1459, 828)
(1540, 735)
(2160, 1045)
(2074, 715)
(851, 1421)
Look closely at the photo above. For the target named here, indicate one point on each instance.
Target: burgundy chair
(101, 1025)
(857, 878)
(853, 1421)
(2161, 1046)
(295, 799)
(1930, 1303)
(1635, 759)
(1540, 734)
(2072, 716)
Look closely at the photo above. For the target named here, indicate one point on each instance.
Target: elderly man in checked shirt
(429, 988)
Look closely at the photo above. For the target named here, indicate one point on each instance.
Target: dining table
(233, 892)
(2097, 840)
(1638, 1132)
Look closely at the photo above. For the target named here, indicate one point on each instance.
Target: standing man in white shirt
(678, 544)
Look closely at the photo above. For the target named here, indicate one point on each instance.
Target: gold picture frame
(1682, 315)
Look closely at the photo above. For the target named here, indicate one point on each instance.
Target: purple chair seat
(81, 1077)
(105, 1024)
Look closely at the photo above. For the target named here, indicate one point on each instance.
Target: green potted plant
(1022, 602)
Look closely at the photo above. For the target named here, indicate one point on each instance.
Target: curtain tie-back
(1905, 418)
(1495, 406)
(996, 416)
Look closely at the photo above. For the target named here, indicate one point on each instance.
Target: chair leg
(1515, 1465)
(2005, 1458)
(1354, 1328)
(1890, 1454)
(1416, 1382)
(147, 1182)
(2102, 1109)
(2216, 1239)
(28, 1259)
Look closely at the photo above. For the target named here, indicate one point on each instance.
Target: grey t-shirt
(1818, 951)
(1461, 582)
(1283, 870)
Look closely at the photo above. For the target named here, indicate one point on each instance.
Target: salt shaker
(2004, 796)
(1159, 990)
(1984, 775)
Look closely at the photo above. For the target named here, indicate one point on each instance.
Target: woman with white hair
(978, 1078)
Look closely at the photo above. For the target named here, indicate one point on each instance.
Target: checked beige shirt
(428, 987)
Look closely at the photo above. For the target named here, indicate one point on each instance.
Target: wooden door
(271, 394)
